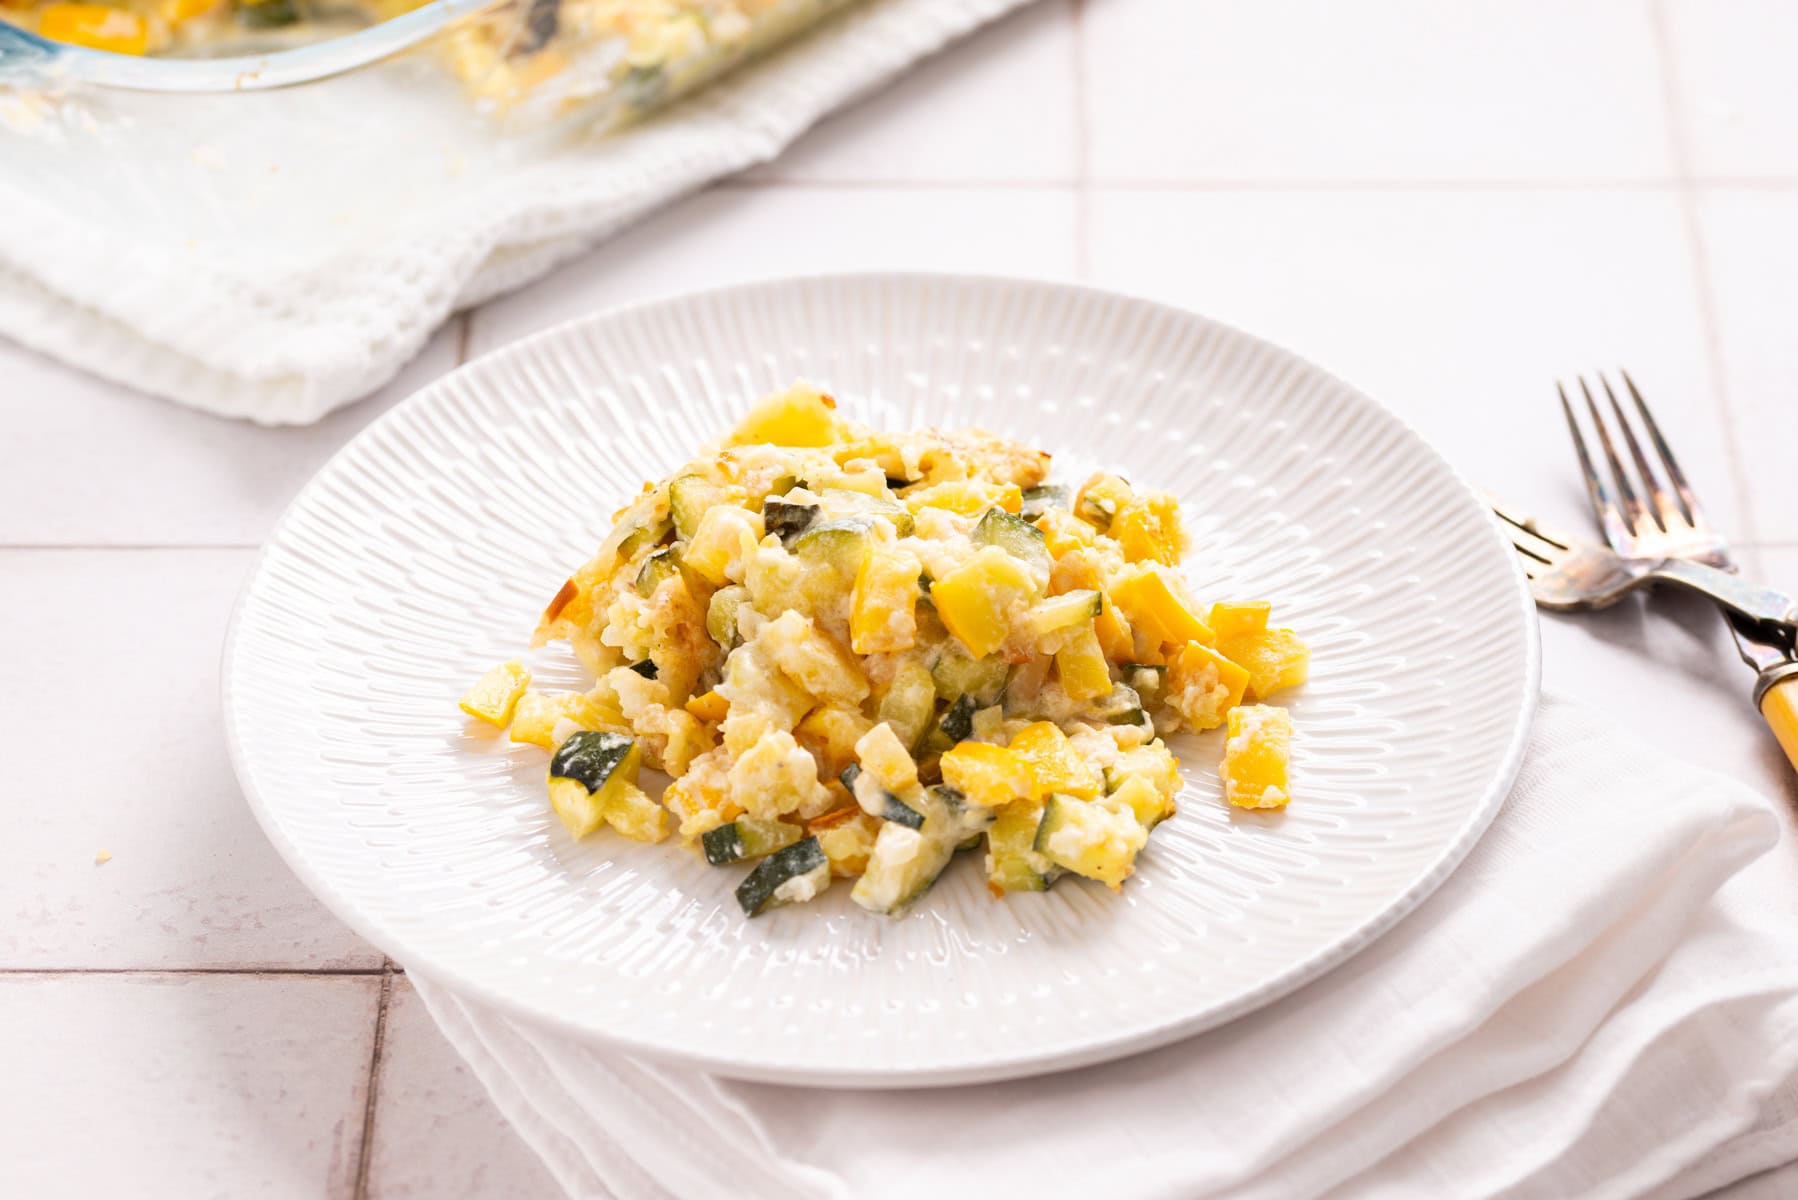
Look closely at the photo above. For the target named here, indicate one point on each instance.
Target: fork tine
(1662, 513)
(1688, 502)
(1635, 513)
(1602, 505)
(1538, 544)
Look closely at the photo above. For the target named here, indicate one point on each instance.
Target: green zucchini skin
(787, 521)
(663, 564)
(1014, 535)
(747, 837)
(756, 893)
(958, 721)
(646, 668)
(901, 813)
(1039, 500)
(589, 757)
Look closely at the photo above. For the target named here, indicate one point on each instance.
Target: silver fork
(1647, 520)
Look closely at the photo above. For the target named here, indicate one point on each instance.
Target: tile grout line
(1083, 197)
(249, 972)
(1687, 193)
(365, 1151)
(1051, 184)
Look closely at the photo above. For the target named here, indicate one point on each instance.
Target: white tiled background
(1448, 204)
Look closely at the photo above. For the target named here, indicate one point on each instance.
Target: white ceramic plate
(423, 553)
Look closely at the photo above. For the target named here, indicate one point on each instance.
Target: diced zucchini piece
(909, 703)
(958, 673)
(789, 876)
(1150, 682)
(976, 600)
(840, 545)
(958, 720)
(1100, 498)
(599, 766)
(887, 759)
(1039, 500)
(1256, 750)
(495, 694)
(841, 502)
(1081, 665)
(1093, 838)
(1118, 706)
(688, 498)
(1059, 612)
(646, 668)
(632, 813)
(989, 724)
(1144, 800)
(1012, 863)
(1056, 764)
(648, 533)
(748, 837)
(721, 614)
(902, 866)
(1014, 535)
(787, 521)
(662, 565)
(1153, 762)
(901, 813)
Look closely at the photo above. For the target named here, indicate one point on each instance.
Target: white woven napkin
(277, 255)
(1602, 1001)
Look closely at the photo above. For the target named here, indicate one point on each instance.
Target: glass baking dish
(517, 62)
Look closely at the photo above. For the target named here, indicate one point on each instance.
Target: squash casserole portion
(857, 653)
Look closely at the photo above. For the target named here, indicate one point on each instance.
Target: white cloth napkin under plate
(277, 255)
(1602, 1001)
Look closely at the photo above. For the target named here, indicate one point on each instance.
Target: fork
(1648, 520)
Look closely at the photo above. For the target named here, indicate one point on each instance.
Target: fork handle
(1770, 613)
(1776, 695)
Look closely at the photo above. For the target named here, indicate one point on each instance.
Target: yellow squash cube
(969, 497)
(1085, 675)
(1054, 762)
(535, 717)
(709, 707)
(1256, 757)
(977, 599)
(883, 610)
(1154, 600)
(883, 756)
(1203, 685)
(1095, 838)
(96, 26)
(989, 776)
(799, 416)
(495, 694)
(1274, 658)
(1235, 618)
(846, 835)
(1148, 528)
(635, 815)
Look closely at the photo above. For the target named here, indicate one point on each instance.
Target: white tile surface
(90, 463)
(1456, 309)
(1738, 93)
(730, 234)
(1455, 300)
(1378, 90)
(113, 740)
(437, 1136)
(998, 107)
(1752, 257)
(188, 1086)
